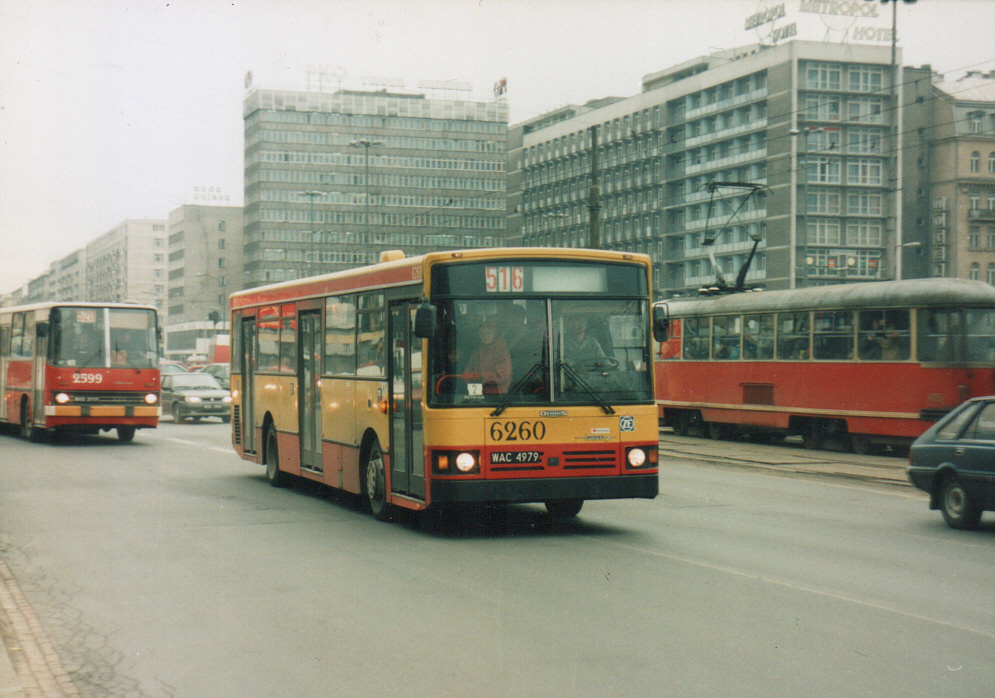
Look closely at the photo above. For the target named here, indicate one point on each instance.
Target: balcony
(981, 214)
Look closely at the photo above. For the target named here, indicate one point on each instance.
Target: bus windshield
(528, 351)
(87, 337)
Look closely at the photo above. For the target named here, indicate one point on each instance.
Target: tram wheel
(680, 424)
(275, 476)
(861, 444)
(716, 431)
(957, 507)
(813, 437)
(375, 483)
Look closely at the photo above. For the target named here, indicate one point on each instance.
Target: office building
(333, 179)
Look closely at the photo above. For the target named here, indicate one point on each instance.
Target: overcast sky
(117, 109)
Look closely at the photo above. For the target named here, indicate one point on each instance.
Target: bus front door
(407, 469)
(309, 395)
(247, 418)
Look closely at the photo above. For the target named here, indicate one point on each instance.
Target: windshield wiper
(517, 388)
(575, 375)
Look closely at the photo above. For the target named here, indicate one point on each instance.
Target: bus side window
(340, 336)
(17, 336)
(792, 336)
(370, 350)
(268, 340)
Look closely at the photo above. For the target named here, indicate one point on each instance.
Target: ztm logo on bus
(504, 279)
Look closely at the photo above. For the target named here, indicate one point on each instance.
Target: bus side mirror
(425, 321)
(41, 329)
(661, 323)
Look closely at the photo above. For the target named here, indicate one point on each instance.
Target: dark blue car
(954, 462)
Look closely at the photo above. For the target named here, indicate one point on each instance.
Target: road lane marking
(803, 588)
(216, 449)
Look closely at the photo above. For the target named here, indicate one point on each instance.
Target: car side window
(983, 428)
(953, 428)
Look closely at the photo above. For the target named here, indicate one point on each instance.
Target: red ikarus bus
(79, 367)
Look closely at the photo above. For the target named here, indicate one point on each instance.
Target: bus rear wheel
(275, 476)
(29, 432)
(375, 483)
(564, 508)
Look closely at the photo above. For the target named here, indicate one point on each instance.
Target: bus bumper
(543, 489)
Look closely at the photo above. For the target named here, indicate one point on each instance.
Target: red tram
(862, 364)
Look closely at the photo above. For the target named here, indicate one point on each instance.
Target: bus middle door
(407, 469)
(309, 394)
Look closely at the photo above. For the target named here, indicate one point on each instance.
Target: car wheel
(275, 476)
(125, 434)
(959, 510)
(375, 483)
(178, 416)
(564, 508)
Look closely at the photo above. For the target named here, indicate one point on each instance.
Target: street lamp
(365, 144)
(312, 195)
(801, 201)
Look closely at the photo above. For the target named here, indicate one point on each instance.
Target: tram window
(833, 335)
(939, 334)
(758, 337)
(340, 335)
(671, 349)
(17, 336)
(696, 338)
(726, 333)
(792, 336)
(883, 335)
(980, 334)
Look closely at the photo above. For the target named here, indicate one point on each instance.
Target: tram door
(247, 419)
(406, 439)
(309, 395)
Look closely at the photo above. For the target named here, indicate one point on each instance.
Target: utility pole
(365, 144)
(594, 196)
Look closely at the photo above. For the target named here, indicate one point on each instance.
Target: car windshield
(195, 381)
(528, 351)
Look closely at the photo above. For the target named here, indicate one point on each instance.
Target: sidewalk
(29, 666)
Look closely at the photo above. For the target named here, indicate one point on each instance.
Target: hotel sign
(819, 20)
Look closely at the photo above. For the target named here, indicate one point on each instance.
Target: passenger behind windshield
(579, 348)
(490, 362)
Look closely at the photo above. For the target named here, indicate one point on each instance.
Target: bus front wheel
(564, 508)
(29, 431)
(275, 476)
(125, 434)
(375, 483)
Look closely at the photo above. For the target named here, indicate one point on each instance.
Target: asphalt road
(168, 567)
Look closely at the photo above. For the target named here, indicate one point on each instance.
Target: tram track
(788, 458)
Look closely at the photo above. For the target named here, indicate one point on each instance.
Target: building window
(158, 242)
(864, 232)
(221, 244)
(823, 76)
(991, 274)
(974, 273)
(822, 109)
(975, 201)
(823, 170)
(823, 231)
(974, 237)
(991, 162)
(221, 226)
(975, 161)
(863, 141)
(221, 262)
(864, 78)
(823, 201)
(157, 258)
(863, 204)
(863, 171)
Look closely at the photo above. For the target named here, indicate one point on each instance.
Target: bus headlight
(151, 399)
(192, 399)
(226, 399)
(641, 457)
(456, 462)
(465, 462)
(62, 398)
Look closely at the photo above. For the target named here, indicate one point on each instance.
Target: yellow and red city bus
(362, 379)
(80, 367)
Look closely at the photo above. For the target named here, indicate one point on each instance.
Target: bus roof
(398, 270)
(76, 304)
(878, 294)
